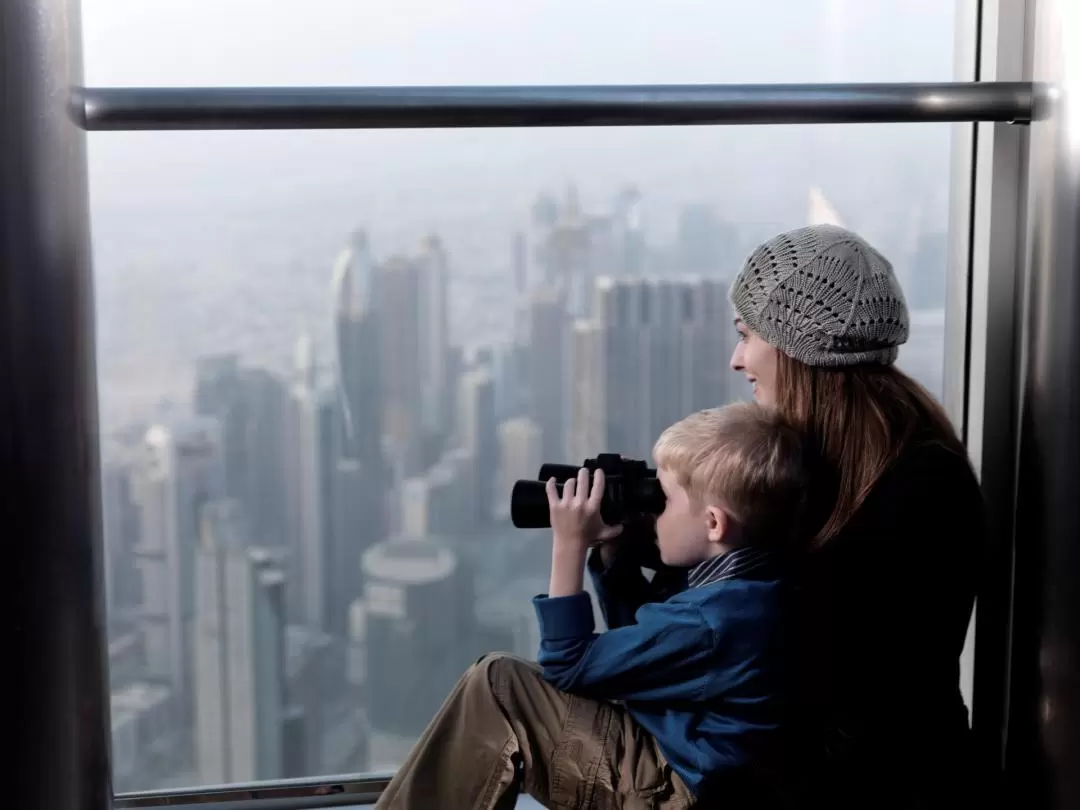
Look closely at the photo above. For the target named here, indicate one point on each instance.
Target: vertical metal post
(997, 227)
(57, 716)
(1043, 746)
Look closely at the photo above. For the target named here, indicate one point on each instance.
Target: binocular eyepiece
(630, 490)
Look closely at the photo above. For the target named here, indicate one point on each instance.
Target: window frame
(989, 167)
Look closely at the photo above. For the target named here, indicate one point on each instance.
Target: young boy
(679, 700)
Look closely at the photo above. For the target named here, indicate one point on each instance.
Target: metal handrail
(131, 108)
(310, 792)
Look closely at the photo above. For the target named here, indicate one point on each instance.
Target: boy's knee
(494, 669)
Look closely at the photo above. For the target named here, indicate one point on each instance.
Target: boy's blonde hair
(747, 460)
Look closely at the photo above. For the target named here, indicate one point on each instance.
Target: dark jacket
(883, 615)
(886, 606)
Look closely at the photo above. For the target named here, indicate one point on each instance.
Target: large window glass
(324, 357)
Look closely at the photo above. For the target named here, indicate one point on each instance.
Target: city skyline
(301, 564)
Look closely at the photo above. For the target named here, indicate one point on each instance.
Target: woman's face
(757, 360)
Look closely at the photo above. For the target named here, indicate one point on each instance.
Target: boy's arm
(665, 655)
(621, 588)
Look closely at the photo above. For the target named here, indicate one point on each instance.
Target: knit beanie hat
(823, 296)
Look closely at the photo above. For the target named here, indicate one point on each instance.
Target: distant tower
(357, 481)
(414, 314)
(249, 404)
(310, 455)
(434, 336)
(548, 326)
(180, 472)
(120, 519)
(820, 211)
(656, 351)
(239, 653)
(628, 221)
(520, 264)
(476, 435)
(359, 382)
(519, 457)
(419, 607)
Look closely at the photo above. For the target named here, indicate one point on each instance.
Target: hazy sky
(200, 42)
(328, 42)
(224, 240)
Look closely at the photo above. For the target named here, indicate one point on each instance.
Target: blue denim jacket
(701, 671)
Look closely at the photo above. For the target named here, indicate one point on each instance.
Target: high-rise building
(418, 618)
(146, 739)
(628, 233)
(120, 529)
(357, 522)
(520, 263)
(476, 435)
(180, 471)
(309, 689)
(310, 457)
(357, 372)
(399, 299)
(520, 456)
(434, 336)
(240, 684)
(414, 345)
(438, 502)
(249, 404)
(656, 351)
(709, 339)
(622, 310)
(820, 210)
(587, 434)
(571, 248)
(548, 325)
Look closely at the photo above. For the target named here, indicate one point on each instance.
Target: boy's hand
(575, 514)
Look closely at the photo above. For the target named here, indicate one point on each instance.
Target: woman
(890, 578)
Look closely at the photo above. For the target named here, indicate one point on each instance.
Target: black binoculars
(630, 490)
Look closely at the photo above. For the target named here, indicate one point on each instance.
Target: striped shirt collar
(736, 564)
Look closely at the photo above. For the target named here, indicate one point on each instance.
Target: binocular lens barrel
(560, 472)
(529, 505)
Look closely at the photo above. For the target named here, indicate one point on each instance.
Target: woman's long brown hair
(860, 419)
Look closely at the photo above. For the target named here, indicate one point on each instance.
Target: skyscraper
(249, 405)
(628, 233)
(357, 522)
(548, 324)
(310, 459)
(180, 471)
(399, 306)
(434, 337)
(358, 473)
(587, 433)
(520, 263)
(656, 351)
(476, 435)
(438, 502)
(709, 338)
(519, 457)
(622, 308)
(120, 525)
(239, 643)
(418, 618)
(565, 251)
(356, 332)
(414, 345)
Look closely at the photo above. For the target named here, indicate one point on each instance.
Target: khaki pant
(574, 752)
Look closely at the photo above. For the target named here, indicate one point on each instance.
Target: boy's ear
(717, 523)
